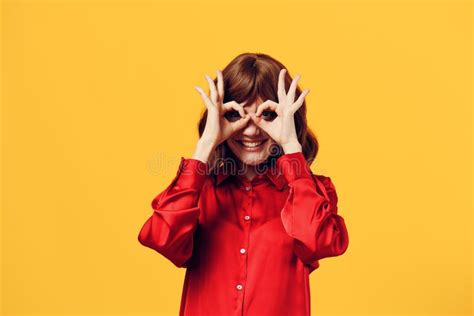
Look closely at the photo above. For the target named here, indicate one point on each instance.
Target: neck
(249, 171)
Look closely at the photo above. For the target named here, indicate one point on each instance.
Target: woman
(245, 215)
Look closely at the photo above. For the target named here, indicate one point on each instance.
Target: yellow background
(99, 106)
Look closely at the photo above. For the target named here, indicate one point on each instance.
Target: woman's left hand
(282, 129)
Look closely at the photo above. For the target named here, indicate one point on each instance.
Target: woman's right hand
(219, 127)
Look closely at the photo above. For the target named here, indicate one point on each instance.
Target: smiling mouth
(251, 144)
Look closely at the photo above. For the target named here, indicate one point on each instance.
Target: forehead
(251, 107)
(256, 102)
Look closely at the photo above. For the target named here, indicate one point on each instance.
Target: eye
(232, 116)
(269, 115)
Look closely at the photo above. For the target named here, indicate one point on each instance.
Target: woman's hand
(218, 127)
(282, 129)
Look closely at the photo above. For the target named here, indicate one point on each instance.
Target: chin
(250, 156)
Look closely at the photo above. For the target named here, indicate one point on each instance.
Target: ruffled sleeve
(310, 214)
(170, 229)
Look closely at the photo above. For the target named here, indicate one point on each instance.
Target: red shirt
(248, 246)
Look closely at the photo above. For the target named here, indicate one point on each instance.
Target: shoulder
(327, 185)
(325, 180)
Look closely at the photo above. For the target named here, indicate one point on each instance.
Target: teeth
(251, 144)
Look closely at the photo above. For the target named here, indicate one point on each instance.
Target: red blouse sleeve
(170, 229)
(310, 214)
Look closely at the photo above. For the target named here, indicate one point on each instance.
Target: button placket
(248, 196)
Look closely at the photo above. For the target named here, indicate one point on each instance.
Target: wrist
(291, 147)
(206, 144)
(203, 150)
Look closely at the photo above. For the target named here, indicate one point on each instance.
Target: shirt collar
(272, 173)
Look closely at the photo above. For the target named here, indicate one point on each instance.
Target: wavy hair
(248, 78)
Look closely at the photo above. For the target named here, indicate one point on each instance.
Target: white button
(247, 188)
(239, 286)
(247, 218)
(242, 250)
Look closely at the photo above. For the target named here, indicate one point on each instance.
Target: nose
(251, 129)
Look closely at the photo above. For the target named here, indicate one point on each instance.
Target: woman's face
(251, 145)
